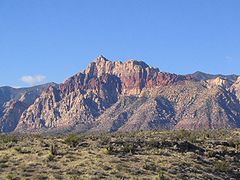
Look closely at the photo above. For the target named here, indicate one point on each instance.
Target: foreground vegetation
(141, 155)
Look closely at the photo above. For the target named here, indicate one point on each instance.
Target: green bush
(10, 177)
(161, 175)
(50, 157)
(106, 151)
(18, 149)
(72, 140)
(128, 148)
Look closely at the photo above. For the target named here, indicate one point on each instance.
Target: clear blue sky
(58, 38)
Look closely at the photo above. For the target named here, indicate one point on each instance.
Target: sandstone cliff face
(134, 75)
(128, 96)
(84, 97)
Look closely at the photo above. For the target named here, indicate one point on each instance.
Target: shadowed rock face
(235, 88)
(126, 96)
(72, 103)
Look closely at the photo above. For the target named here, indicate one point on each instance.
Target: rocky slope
(126, 96)
(188, 105)
(13, 102)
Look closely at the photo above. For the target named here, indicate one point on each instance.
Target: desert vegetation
(178, 154)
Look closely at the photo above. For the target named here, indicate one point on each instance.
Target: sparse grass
(136, 155)
(222, 166)
(8, 138)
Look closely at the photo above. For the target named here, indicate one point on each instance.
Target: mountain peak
(134, 75)
(101, 58)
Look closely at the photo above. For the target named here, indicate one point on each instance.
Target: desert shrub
(128, 148)
(224, 149)
(104, 139)
(235, 142)
(210, 154)
(217, 134)
(4, 160)
(18, 149)
(9, 138)
(2, 166)
(9, 177)
(149, 166)
(24, 150)
(238, 148)
(50, 157)
(72, 140)
(183, 134)
(193, 137)
(110, 148)
(153, 143)
(187, 135)
(105, 151)
(161, 175)
(53, 152)
(222, 132)
(222, 166)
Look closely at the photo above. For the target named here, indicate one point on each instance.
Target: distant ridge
(13, 101)
(204, 76)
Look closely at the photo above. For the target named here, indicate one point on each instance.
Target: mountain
(81, 99)
(129, 96)
(13, 101)
(204, 76)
